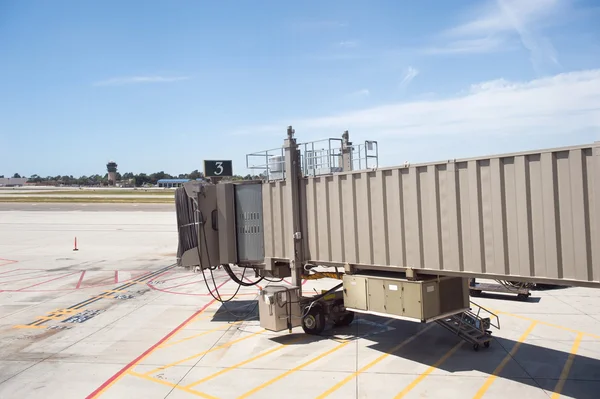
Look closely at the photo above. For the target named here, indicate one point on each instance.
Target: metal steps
(471, 326)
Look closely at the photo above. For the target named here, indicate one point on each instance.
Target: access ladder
(471, 327)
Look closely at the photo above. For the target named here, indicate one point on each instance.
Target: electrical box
(386, 294)
(279, 307)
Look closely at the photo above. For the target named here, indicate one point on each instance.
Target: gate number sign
(218, 169)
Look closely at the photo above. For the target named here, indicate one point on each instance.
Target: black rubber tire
(345, 320)
(314, 321)
(476, 347)
(486, 344)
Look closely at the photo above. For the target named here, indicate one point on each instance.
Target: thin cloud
(360, 93)
(561, 104)
(496, 25)
(348, 44)
(470, 46)
(409, 75)
(139, 80)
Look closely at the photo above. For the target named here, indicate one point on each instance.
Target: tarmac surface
(116, 319)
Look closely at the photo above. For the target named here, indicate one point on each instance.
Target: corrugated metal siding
(522, 215)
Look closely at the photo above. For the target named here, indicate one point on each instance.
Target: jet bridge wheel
(344, 320)
(314, 321)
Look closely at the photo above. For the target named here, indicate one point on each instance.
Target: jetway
(524, 217)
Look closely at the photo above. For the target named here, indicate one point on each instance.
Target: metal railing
(320, 157)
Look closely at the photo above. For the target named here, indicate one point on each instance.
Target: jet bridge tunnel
(408, 238)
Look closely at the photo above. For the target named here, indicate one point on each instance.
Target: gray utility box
(386, 294)
(278, 305)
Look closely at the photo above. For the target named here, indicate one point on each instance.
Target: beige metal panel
(523, 219)
(464, 217)
(533, 215)
(592, 168)
(430, 216)
(312, 238)
(349, 212)
(268, 220)
(279, 218)
(449, 218)
(363, 216)
(499, 264)
(303, 217)
(336, 226)
(380, 239)
(473, 188)
(579, 235)
(324, 209)
(395, 216)
(412, 210)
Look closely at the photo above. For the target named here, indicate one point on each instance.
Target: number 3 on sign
(219, 168)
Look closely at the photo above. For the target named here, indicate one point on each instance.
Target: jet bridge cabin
(408, 238)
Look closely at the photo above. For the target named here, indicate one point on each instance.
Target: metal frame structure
(409, 237)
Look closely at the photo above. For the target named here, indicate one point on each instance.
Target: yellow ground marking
(374, 362)
(166, 345)
(170, 384)
(240, 364)
(228, 344)
(567, 368)
(281, 376)
(429, 371)
(26, 326)
(490, 380)
(547, 324)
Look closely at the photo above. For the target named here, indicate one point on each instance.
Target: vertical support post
(294, 237)
(346, 152)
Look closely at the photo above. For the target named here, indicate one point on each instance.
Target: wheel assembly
(314, 321)
(344, 320)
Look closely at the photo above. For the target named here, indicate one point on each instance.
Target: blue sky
(162, 85)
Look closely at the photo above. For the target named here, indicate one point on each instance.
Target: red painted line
(177, 278)
(13, 270)
(147, 352)
(27, 278)
(116, 276)
(219, 286)
(80, 280)
(44, 282)
(184, 284)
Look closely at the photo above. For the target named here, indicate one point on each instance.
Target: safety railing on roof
(320, 157)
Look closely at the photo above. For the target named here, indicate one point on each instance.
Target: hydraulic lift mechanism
(401, 242)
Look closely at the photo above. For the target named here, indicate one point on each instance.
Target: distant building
(111, 168)
(12, 181)
(170, 183)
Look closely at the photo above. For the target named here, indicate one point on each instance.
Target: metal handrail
(480, 308)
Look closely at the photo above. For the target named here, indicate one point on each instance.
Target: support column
(293, 174)
(346, 152)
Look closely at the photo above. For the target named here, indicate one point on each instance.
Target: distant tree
(1, 176)
(35, 179)
(195, 175)
(16, 176)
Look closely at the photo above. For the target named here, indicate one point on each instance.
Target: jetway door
(249, 223)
